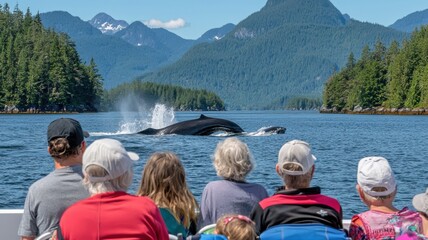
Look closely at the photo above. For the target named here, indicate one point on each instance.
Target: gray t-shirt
(49, 197)
(227, 197)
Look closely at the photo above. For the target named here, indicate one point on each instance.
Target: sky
(191, 18)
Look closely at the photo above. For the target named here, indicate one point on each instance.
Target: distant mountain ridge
(412, 21)
(121, 51)
(287, 49)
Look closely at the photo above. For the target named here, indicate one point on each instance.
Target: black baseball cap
(67, 128)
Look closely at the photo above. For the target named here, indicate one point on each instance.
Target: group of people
(86, 196)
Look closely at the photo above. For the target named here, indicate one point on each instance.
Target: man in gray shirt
(50, 196)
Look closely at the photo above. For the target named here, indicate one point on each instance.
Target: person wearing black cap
(51, 195)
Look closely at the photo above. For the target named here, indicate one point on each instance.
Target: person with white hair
(110, 212)
(232, 194)
(377, 188)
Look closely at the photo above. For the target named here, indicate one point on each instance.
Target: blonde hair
(236, 227)
(164, 181)
(296, 181)
(118, 184)
(233, 159)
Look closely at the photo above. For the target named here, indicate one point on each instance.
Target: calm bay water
(338, 142)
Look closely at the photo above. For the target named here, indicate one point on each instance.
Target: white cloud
(171, 24)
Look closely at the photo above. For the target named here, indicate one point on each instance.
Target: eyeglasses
(239, 217)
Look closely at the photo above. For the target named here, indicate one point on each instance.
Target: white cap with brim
(110, 155)
(420, 202)
(375, 172)
(296, 152)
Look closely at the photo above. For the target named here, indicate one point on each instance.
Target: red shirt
(113, 215)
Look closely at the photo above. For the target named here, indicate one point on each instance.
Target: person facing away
(110, 212)
(296, 202)
(377, 188)
(236, 227)
(232, 194)
(420, 203)
(164, 181)
(49, 196)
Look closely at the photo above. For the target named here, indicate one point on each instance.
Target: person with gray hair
(232, 194)
(49, 196)
(110, 212)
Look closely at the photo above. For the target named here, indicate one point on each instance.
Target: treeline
(149, 93)
(393, 78)
(295, 103)
(40, 70)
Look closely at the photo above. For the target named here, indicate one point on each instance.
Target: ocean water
(338, 141)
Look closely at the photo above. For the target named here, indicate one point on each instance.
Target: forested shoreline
(40, 70)
(390, 80)
(148, 93)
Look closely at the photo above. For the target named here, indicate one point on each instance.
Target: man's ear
(49, 150)
(83, 146)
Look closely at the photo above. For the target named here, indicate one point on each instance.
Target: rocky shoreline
(377, 111)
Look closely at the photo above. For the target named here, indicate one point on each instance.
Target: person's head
(375, 181)
(296, 164)
(233, 159)
(236, 227)
(107, 166)
(66, 140)
(420, 203)
(164, 181)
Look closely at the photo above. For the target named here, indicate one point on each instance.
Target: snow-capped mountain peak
(108, 25)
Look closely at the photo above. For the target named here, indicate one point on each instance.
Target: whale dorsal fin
(202, 116)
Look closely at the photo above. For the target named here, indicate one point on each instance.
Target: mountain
(121, 51)
(411, 21)
(159, 39)
(287, 49)
(216, 33)
(106, 24)
(117, 60)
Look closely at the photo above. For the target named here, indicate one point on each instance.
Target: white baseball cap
(375, 172)
(296, 152)
(420, 202)
(110, 155)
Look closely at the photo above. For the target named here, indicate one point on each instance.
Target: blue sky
(191, 18)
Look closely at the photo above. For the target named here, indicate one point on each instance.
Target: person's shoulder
(216, 183)
(41, 183)
(406, 211)
(141, 200)
(330, 199)
(356, 220)
(76, 208)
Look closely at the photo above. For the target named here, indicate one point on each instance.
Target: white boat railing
(9, 223)
(10, 219)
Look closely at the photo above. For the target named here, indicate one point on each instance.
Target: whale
(203, 126)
